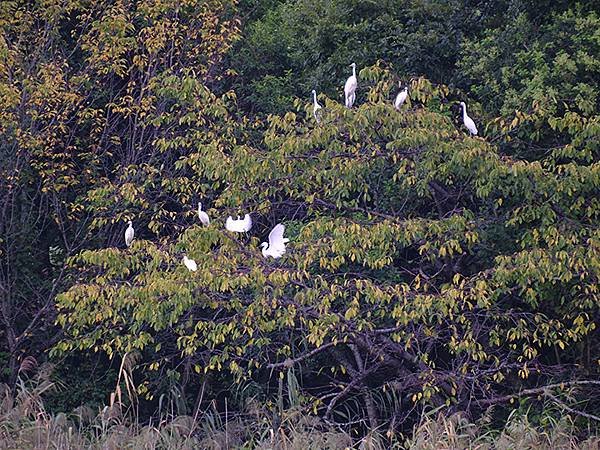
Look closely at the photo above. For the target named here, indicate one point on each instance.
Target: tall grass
(455, 432)
(25, 424)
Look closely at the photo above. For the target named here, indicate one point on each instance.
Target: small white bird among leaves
(276, 246)
(316, 107)
(129, 234)
(401, 97)
(468, 121)
(350, 87)
(190, 264)
(202, 215)
(240, 225)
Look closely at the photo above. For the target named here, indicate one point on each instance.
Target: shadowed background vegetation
(438, 289)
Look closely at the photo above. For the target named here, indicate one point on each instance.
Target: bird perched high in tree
(401, 97)
(350, 87)
(129, 234)
(316, 107)
(469, 123)
(202, 215)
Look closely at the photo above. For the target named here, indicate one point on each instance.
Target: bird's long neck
(464, 108)
(354, 71)
(315, 98)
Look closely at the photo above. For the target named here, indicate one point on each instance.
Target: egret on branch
(316, 107)
(401, 97)
(129, 233)
(350, 87)
(239, 225)
(202, 215)
(276, 246)
(190, 264)
(468, 121)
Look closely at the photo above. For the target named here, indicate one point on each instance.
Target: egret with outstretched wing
(276, 246)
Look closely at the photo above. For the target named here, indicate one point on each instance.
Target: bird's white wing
(230, 224)
(350, 85)
(400, 99)
(317, 112)
(247, 223)
(204, 218)
(350, 91)
(470, 125)
(129, 233)
(276, 239)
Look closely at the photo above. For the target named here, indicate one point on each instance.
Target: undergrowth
(26, 424)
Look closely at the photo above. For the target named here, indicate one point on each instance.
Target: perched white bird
(316, 107)
(190, 264)
(129, 233)
(276, 246)
(401, 97)
(350, 87)
(468, 121)
(239, 225)
(202, 215)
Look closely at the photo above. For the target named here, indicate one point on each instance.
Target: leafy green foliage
(532, 75)
(302, 45)
(393, 266)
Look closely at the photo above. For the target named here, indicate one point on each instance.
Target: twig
(358, 209)
(540, 390)
(571, 410)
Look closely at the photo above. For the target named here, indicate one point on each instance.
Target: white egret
(316, 107)
(350, 87)
(129, 233)
(468, 121)
(276, 246)
(401, 97)
(190, 264)
(240, 225)
(202, 215)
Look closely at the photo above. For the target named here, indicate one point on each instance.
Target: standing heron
(129, 233)
(202, 215)
(350, 87)
(468, 121)
(401, 97)
(316, 107)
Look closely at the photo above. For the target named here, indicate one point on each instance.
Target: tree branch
(290, 362)
(540, 390)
